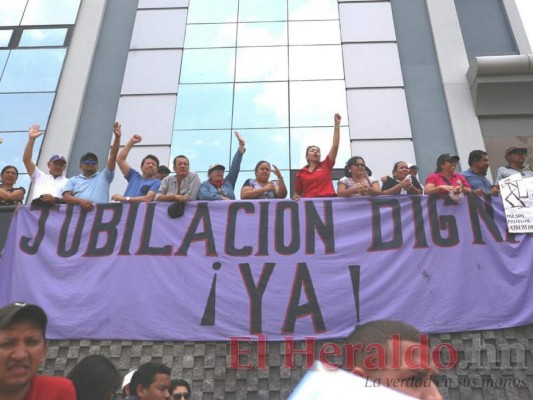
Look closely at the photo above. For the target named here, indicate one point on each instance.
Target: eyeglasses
(89, 162)
(178, 396)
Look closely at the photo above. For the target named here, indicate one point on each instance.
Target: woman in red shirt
(315, 180)
(444, 180)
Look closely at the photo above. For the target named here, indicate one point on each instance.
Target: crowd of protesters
(153, 182)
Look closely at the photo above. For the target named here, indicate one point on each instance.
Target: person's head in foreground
(151, 381)
(179, 390)
(95, 378)
(383, 352)
(22, 347)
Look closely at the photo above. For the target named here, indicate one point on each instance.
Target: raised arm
(112, 160)
(123, 154)
(236, 162)
(33, 134)
(336, 138)
(281, 189)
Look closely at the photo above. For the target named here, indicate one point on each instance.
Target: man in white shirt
(47, 188)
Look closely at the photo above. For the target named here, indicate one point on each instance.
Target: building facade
(405, 75)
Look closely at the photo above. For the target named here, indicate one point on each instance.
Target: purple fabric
(309, 268)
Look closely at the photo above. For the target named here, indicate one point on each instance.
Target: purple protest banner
(275, 267)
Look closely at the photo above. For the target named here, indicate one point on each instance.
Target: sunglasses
(178, 396)
(89, 162)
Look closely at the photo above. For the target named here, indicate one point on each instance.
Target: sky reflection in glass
(261, 10)
(5, 37)
(261, 105)
(208, 65)
(32, 70)
(205, 11)
(288, 57)
(210, 35)
(50, 12)
(11, 12)
(204, 106)
(18, 111)
(43, 37)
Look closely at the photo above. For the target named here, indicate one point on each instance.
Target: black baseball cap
(446, 157)
(22, 309)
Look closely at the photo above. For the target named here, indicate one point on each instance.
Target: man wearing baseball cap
(47, 188)
(516, 158)
(22, 351)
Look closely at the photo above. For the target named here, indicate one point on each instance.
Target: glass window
(203, 148)
(261, 105)
(43, 37)
(205, 11)
(50, 12)
(309, 10)
(315, 103)
(314, 32)
(262, 34)
(264, 144)
(11, 12)
(13, 144)
(261, 10)
(5, 37)
(315, 62)
(3, 58)
(204, 106)
(261, 64)
(301, 138)
(210, 35)
(209, 65)
(32, 70)
(18, 111)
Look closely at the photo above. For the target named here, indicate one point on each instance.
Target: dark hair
(475, 155)
(379, 332)
(9, 166)
(259, 163)
(163, 169)
(88, 156)
(150, 157)
(95, 378)
(174, 383)
(353, 161)
(396, 165)
(145, 375)
(180, 156)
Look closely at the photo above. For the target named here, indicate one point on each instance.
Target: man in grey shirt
(182, 187)
(516, 158)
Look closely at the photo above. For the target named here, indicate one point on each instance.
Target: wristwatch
(128, 199)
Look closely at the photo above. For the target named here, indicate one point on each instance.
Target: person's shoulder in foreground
(22, 351)
(372, 353)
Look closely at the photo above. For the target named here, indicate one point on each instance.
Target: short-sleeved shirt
(456, 180)
(316, 183)
(505, 172)
(188, 187)
(47, 184)
(350, 183)
(51, 388)
(477, 181)
(255, 185)
(94, 188)
(139, 186)
(12, 203)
